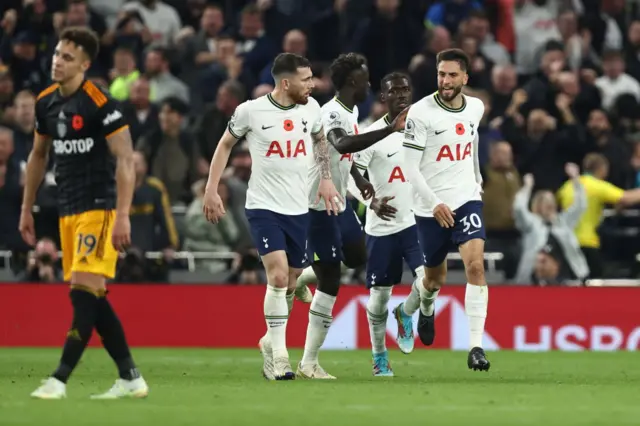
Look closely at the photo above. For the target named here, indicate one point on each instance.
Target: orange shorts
(85, 239)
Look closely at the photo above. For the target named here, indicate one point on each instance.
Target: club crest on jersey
(61, 126)
(304, 124)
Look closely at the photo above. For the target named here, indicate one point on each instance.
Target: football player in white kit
(441, 162)
(391, 234)
(334, 239)
(283, 129)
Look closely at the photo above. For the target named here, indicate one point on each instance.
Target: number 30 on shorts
(472, 220)
(86, 244)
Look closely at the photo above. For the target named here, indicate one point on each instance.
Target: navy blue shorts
(385, 255)
(328, 233)
(274, 231)
(435, 241)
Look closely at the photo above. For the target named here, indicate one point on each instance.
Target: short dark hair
(235, 88)
(478, 14)
(396, 75)
(288, 63)
(163, 52)
(593, 162)
(612, 54)
(456, 55)
(251, 9)
(343, 66)
(176, 104)
(83, 37)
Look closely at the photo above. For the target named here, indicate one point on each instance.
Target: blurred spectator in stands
(252, 44)
(599, 193)
(171, 152)
(42, 264)
(161, 19)
(388, 39)
(604, 32)
(535, 25)
(152, 226)
(479, 67)
(140, 113)
(108, 9)
(576, 48)
(543, 226)
(27, 67)
(540, 89)
(584, 97)
(237, 178)
(451, 14)
(133, 268)
(504, 81)
(25, 120)
(548, 267)
(124, 73)
(202, 236)
(212, 122)
(10, 194)
(378, 110)
(248, 271)
(615, 81)
(422, 68)
(131, 32)
(627, 114)
(501, 182)
(632, 49)
(6, 94)
(261, 90)
(163, 83)
(602, 140)
(295, 41)
(478, 26)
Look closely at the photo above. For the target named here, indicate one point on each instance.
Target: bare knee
(278, 277)
(475, 271)
(435, 277)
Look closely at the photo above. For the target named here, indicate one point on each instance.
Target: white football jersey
(334, 116)
(446, 139)
(281, 150)
(384, 161)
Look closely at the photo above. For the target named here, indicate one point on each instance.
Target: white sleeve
(240, 121)
(362, 162)
(415, 141)
(331, 119)
(317, 124)
(476, 159)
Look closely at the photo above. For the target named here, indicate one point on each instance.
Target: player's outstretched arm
(327, 189)
(347, 144)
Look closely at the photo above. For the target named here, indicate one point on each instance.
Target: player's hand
(528, 180)
(444, 215)
(121, 236)
(382, 208)
(332, 200)
(398, 123)
(366, 189)
(572, 170)
(213, 207)
(27, 228)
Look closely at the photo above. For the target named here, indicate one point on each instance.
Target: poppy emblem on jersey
(288, 125)
(460, 129)
(77, 122)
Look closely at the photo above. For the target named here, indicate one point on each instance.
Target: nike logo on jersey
(266, 127)
(440, 131)
(391, 155)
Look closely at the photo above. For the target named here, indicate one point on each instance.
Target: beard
(448, 98)
(299, 98)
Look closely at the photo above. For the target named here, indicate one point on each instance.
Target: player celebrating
(391, 233)
(441, 162)
(279, 128)
(333, 238)
(87, 131)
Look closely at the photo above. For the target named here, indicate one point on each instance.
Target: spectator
(213, 121)
(140, 113)
(252, 44)
(123, 74)
(615, 81)
(152, 225)
(248, 271)
(161, 19)
(201, 49)
(24, 61)
(602, 140)
(540, 89)
(480, 67)
(477, 26)
(632, 50)
(422, 68)
(10, 194)
(133, 268)
(504, 81)
(535, 25)
(451, 14)
(163, 83)
(543, 226)
(42, 265)
(501, 182)
(224, 237)
(6, 95)
(25, 120)
(295, 41)
(548, 267)
(599, 193)
(171, 152)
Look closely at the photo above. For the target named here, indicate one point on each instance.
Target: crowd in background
(559, 79)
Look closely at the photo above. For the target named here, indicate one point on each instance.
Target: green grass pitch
(224, 387)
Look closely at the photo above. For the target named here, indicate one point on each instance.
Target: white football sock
(319, 322)
(427, 300)
(377, 313)
(412, 302)
(276, 316)
(476, 299)
(307, 277)
(289, 298)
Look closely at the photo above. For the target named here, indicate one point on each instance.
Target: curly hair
(343, 66)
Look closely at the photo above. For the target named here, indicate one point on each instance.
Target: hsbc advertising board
(520, 318)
